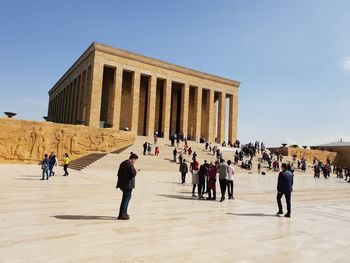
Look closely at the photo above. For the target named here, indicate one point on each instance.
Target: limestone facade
(28, 141)
(307, 154)
(113, 88)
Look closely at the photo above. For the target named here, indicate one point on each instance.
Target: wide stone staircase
(162, 162)
(83, 162)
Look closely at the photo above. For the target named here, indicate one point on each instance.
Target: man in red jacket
(126, 182)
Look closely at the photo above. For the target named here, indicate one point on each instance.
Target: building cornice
(162, 64)
(143, 59)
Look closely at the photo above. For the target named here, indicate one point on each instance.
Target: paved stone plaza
(73, 219)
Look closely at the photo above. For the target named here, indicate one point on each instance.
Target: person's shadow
(252, 214)
(81, 217)
(177, 196)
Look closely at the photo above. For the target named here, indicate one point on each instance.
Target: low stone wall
(27, 141)
(307, 154)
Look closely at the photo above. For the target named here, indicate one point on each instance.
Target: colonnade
(145, 103)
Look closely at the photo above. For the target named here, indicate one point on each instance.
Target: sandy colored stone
(73, 219)
(27, 141)
(67, 91)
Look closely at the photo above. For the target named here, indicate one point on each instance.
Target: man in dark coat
(183, 170)
(284, 187)
(126, 182)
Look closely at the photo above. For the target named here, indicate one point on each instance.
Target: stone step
(85, 161)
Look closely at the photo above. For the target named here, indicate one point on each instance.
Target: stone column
(60, 106)
(117, 97)
(184, 109)
(198, 109)
(135, 97)
(151, 105)
(66, 104)
(96, 94)
(232, 130)
(222, 117)
(211, 116)
(79, 97)
(166, 108)
(69, 109)
(73, 99)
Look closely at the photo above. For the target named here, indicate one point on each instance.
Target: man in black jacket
(126, 182)
(284, 187)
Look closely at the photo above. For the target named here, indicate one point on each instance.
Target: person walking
(223, 171)
(53, 163)
(230, 183)
(284, 187)
(45, 164)
(183, 169)
(65, 164)
(126, 183)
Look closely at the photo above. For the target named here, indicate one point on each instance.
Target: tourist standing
(126, 182)
(194, 156)
(202, 173)
(230, 183)
(303, 166)
(180, 157)
(284, 187)
(53, 163)
(45, 164)
(65, 164)
(156, 151)
(223, 170)
(145, 145)
(259, 168)
(212, 171)
(155, 139)
(149, 149)
(183, 170)
(174, 155)
(189, 151)
(195, 180)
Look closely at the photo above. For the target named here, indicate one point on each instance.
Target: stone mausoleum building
(113, 88)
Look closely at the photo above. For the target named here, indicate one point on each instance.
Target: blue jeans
(52, 172)
(45, 171)
(125, 201)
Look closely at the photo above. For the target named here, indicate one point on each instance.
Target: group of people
(204, 178)
(147, 148)
(48, 164)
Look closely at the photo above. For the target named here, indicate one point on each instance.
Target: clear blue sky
(292, 57)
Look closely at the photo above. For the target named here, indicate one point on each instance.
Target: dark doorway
(175, 112)
(107, 89)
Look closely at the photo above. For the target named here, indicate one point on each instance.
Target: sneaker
(193, 195)
(279, 213)
(287, 215)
